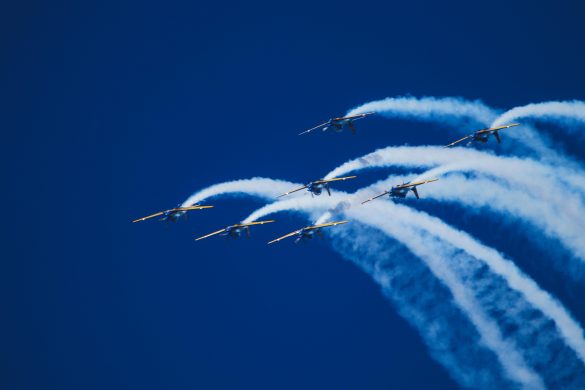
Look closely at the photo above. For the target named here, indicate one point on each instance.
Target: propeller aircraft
(482, 135)
(337, 124)
(316, 187)
(400, 191)
(234, 231)
(308, 232)
(173, 215)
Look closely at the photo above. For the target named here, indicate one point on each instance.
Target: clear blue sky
(111, 110)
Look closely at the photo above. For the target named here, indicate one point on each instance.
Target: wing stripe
(210, 234)
(253, 223)
(334, 179)
(458, 141)
(295, 190)
(285, 236)
(148, 217)
(314, 128)
(375, 197)
(326, 225)
(416, 184)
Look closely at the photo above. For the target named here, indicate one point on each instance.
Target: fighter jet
(317, 186)
(308, 232)
(402, 190)
(337, 123)
(235, 231)
(173, 215)
(482, 135)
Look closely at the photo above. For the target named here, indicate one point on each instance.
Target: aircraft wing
(326, 225)
(458, 141)
(314, 128)
(210, 234)
(148, 217)
(418, 183)
(358, 116)
(285, 236)
(254, 223)
(295, 190)
(334, 179)
(194, 207)
(496, 128)
(376, 197)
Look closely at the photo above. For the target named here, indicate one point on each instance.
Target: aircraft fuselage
(172, 216)
(399, 192)
(234, 231)
(484, 137)
(305, 235)
(317, 189)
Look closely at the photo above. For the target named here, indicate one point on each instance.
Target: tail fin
(497, 135)
(415, 192)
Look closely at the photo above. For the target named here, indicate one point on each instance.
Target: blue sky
(113, 110)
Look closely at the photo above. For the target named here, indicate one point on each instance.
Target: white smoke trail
(565, 112)
(431, 156)
(570, 330)
(551, 199)
(450, 110)
(458, 111)
(514, 365)
(558, 221)
(258, 186)
(425, 303)
(434, 255)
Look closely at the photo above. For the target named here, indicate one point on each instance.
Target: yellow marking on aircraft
(238, 225)
(416, 184)
(334, 179)
(210, 234)
(482, 131)
(320, 181)
(177, 209)
(376, 197)
(307, 228)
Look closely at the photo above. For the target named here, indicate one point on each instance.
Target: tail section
(497, 135)
(351, 127)
(415, 192)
